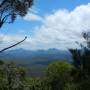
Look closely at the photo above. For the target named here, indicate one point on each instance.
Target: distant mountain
(35, 61)
(36, 56)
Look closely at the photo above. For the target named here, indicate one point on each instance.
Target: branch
(12, 45)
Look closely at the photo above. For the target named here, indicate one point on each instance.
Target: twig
(12, 45)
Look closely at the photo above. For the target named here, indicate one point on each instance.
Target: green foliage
(81, 73)
(71, 86)
(12, 77)
(59, 73)
(1, 62)
(10, 9)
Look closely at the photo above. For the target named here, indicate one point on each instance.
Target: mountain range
(35, 60)
(36, 55)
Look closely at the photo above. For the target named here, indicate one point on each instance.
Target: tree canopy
(10, 9)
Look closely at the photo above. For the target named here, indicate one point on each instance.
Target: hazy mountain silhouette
(36, 56)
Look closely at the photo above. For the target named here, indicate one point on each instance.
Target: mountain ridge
(22, 54)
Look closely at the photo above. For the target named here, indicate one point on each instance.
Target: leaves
(10, 9)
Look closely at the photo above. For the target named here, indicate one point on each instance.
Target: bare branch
(12, 45)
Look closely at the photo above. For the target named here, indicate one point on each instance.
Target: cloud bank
(61, 29)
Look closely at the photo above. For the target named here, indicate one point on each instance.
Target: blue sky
(40, 12)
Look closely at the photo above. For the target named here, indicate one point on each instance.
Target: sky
(49, 24)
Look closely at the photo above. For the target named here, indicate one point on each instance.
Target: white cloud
(63, 28)
(33, 17)
(60, 29)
